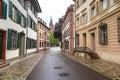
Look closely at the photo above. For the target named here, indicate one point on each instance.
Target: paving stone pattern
(109, 69)
(20, 69)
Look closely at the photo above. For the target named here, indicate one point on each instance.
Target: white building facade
(18, 24)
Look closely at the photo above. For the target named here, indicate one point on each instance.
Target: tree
(53, 41)
(58, 30)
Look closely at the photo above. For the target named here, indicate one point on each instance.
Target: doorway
(1, 43)
(84, 40)
(22, 45)
(93, 41)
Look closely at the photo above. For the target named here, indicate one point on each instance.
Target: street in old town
(52, 64)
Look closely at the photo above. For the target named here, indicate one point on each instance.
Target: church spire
(51, 24)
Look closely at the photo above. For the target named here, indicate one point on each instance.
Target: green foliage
(53, 40)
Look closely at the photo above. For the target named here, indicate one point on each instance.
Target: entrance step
(3, 63)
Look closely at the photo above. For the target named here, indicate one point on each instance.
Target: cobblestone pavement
(20, 69)
(106, 68)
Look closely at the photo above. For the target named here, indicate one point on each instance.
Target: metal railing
(86, 50)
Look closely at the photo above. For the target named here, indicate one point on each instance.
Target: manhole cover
(57, 67)
(64, 74)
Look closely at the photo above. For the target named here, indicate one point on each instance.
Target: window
(103, 35)
(118, 24)
(85, 18)
(77, 5)
(14, 39)
(78, 21)
(94, 11)
(3, 10)
(23, 3)
(14, 14)
(104, 4)
(22, 20)
(77, 39)
(40, 44)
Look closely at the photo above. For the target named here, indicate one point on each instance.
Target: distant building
(98, 27)
(68, 30)
(43, 33)
(51, 26)
(18, 27)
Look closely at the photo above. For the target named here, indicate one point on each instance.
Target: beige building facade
(43, 33)
(98, 27)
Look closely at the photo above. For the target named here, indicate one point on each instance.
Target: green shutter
(10, 9)
(19, 17)
(24, 22)
(4, 10)
(18, 40)
(20, 1)
(9, 39)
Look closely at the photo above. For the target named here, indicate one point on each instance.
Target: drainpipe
(75, 23)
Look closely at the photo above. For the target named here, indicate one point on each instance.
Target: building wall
(68, 35)
(43, 33)
(110, 51)
(8, 23)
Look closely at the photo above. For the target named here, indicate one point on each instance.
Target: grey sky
(54, 8)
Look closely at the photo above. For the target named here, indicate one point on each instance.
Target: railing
(86, 50)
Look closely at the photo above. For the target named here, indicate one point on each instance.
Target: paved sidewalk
(106, 68)
(19, 70)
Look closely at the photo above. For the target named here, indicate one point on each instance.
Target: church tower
(51, 25)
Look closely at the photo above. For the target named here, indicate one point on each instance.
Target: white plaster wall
(8, 23)
(31, 50)
(12, 53)
(32, 34)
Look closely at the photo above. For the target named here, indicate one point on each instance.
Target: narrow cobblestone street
(51, 63)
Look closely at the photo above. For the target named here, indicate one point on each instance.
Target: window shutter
(18, 40)
(19, 17)
(24, 22)
(20, 1)
(27, 41)
(0, 8)
(10, 9)
(4, 10)
(9, 39)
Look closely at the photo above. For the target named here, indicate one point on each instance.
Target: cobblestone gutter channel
(106, 68)
(20, 69)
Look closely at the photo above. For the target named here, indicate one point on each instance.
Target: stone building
(18, 27)
(68, 29)
(98, 27)
(43, 33)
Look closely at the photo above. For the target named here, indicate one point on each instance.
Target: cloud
(54, 8)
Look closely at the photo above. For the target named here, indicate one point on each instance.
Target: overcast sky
(54, 8)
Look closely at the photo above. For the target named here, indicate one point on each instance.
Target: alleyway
(56, 66)
(52, 65)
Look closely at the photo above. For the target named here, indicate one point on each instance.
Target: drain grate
(57, 67)
(64, 74)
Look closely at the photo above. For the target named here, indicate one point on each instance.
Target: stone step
(3, 63)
